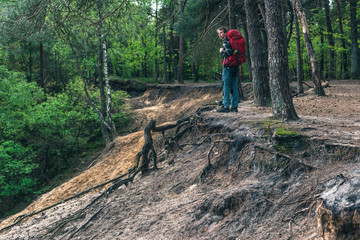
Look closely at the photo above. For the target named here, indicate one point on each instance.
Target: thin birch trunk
(309, 47)
(108, 91)
(299, 71)
(331, 42)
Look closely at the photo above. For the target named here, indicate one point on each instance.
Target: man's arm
(226, 50)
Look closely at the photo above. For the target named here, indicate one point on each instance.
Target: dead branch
(308, 85)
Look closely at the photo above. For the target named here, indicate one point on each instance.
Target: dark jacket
(228, 51)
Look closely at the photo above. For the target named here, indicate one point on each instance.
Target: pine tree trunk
(258, 58)
(181, 49)
(171, 52)
(42, 67)
(322, 58)
(30, 64)
(355, 68)
(299, 71)
(332, 73)
(248, 61)
(343, 43)
(232, 15)
(282, 104)
(314, 63)
(166, 79)
(157, 70)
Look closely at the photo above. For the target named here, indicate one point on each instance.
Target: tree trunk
(282, 104)
(102, 48)
(181, 49)
(171, 52)
(258, 58)
(30, 64)
(355, 68)
(232, 15)
(314, 63)
(108, 92)
(86, 70)
(104, 131)
(43, 76)
(332, 74)
(157, 70)
(248, 61)
(322, 58)
(85, 86)
(195, 70)
(344, 66)
(299, 71)
(263, 21)
(166, 79)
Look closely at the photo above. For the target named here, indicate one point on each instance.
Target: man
(229, 75)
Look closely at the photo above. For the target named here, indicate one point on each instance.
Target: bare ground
(260, 185)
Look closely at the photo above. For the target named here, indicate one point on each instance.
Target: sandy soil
(246, 194)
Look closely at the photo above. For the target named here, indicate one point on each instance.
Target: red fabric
(237, 42)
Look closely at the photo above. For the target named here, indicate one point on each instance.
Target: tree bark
(108, 91)
(282, 104)
(258, 57)
(232, 15)
(344, 66)
(30, 64)
(157, 70)
(355, 68)
(172, 68)
(166, 79)
(331, 42)
(181, 49)
(309, 47)
(43, 75)
(248, 61)
(108, 101)
(104, 131)
(299, 71)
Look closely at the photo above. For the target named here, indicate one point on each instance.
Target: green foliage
(16, 167)
(40, 139)
(17, 99)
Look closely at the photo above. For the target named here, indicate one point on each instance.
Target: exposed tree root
(83, 226)
(289, 158)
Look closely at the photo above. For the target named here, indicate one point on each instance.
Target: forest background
(60, 59)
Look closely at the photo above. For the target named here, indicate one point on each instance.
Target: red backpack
(237, 43)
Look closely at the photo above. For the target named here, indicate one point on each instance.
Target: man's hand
(222, 49)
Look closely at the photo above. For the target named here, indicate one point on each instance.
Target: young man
(229, 75)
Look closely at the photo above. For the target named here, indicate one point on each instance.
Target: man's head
(222, 32)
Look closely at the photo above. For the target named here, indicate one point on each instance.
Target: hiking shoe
(234, 109)
(223, 109)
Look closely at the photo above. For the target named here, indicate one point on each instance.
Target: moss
(268, 126)
(286, 132)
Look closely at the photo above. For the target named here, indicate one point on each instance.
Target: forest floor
(260, 185)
